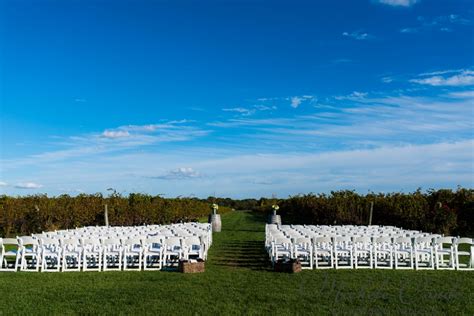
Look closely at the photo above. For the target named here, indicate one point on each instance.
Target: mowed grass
(238, 280)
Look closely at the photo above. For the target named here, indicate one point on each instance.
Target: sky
(235, 98)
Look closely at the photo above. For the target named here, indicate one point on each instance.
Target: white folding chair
(153, 253)
(468, 253)
(281, 249)
(91, 255)
(50, 255)
(30, 254)
(403, 253)
(444, 253)
(71, 254)
(323, 253)
(383, 252)
(173, 250)
(112, 254)
(193, 247)
(343, 258)
(363, 252)
(132, 254)
(303, 251)
(10, 255)
(424, 253)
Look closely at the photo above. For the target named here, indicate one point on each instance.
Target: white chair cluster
(100, 248)
(380, 247)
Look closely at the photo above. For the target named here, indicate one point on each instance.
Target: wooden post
(106, 216)
(371, 212)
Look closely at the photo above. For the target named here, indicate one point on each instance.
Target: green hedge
(36, 213)
(437, 211)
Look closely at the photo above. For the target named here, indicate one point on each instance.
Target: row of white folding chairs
(297, 231)
(380, 252)
(135, 230)
(180, 230)
(48, 254)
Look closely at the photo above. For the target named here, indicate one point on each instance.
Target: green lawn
(238, 281)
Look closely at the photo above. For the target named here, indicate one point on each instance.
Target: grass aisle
(238, 281)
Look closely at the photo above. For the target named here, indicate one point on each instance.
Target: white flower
(275, 207)
(215, 206)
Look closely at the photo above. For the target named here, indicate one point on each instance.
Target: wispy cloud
(182, 173)
(115, 134)
(398, 3)
(3, 184)
(461, 78)
(296, 101)
(28, 185)
(240, 110)
(462, 94)
(124, 137)
(387, 79)
(358, 35)
(444, 23)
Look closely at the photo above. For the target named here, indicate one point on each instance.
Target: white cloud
(462, 94)
(296, 101)
(463, 78)
(399, 3)
(355, 95)
(409, 30)
(387, 79)
(260, 107)
(182, 173)
(28, 185)
(3, 184)
(115, 134)
(240, 110)
(443, 23)
(357, 35)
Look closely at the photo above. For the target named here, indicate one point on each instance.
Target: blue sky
(236, 98)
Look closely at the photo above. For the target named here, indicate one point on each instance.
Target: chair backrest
(47, 242)
(444, 240)
(341, 239)
(9, 241)
(91, 244)
(363, 239)
(403, 241)
(111, 242)
(465, 240)
(303, 241)
(282, 240)
(423, 240)
(28, 240)
(191, 241)
(133, 242)
(322, 240)
(173, 242)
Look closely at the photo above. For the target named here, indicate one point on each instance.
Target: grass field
(238, 280)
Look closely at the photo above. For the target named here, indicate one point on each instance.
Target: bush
(442, 211)
(36, 213)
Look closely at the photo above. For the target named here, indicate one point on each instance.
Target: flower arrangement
(215, 207)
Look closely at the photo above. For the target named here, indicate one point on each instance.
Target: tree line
(438, 211)
(36, 213)
(449, 212)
